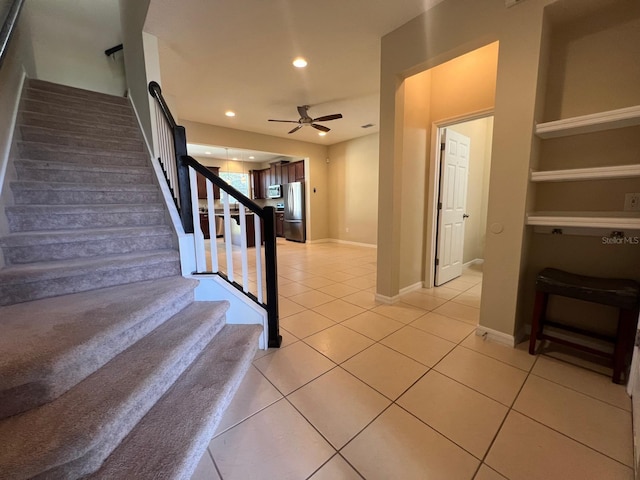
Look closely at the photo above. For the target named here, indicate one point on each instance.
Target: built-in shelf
(606, 220)
(596, 122)
(580, 174)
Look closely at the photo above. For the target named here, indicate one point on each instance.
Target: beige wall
(316, 167)
(417, 114)
(353, 190)
(479, 131)
(132, 18)
(448, 30)
(69, 39)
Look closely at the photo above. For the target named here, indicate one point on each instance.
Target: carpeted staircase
(108, 368)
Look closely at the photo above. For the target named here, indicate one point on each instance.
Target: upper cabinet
(202, 184)
(276, 174)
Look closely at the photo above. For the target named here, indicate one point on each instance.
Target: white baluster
(213, 234)
(258, 235)
(243, 248)
(201, 260)
(227, 234)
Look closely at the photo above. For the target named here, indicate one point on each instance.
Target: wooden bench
(620, 293)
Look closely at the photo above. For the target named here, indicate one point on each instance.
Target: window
(239, 181)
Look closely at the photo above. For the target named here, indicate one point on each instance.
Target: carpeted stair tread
(21, 274)
(32, 281)
(31, 192)
(120, 117)
(24, 218)
(50, 152)
(72, 435)
(125, 169)
(34, 170)
(50, 345)
(83, 187)
(69, 236)
(170, 439)
(43, 85)
(47, 246)
(78, 104)
(70, 124)
(104, 141)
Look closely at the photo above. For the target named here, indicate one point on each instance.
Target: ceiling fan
(305, 120)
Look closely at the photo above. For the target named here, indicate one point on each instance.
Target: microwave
(274, 191)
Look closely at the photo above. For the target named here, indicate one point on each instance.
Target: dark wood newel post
(184, 186)
(271, 271)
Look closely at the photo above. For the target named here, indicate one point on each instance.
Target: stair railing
(224, 252)
(9, 18)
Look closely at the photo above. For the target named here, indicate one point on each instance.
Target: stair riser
(55, 153)
(78, 176)
(43, 86)
(31, 395)
(63, 111)
(78, 104)
(61, 124)
(48, 197)
(84, 249)
(33, 134)
(12, 293)
(19, 222)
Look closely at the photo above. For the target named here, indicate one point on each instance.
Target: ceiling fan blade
(302, 110)
(322, 128)
(296, 129)
(284, 121)
(326, 118)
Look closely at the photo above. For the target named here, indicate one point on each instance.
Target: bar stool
(620, 293)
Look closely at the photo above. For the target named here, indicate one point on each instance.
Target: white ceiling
(234, 154)
(236, 55)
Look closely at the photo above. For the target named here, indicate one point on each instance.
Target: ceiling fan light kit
(306, 120)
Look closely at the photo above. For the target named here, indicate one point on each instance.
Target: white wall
(69, 39)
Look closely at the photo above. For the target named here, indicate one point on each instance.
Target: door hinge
(637, 342)
(439, 205)
(442, 146)
(437, 262)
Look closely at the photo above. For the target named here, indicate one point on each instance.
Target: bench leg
(624, 343)
(539, 310)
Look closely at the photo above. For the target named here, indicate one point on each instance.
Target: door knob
(464, 215)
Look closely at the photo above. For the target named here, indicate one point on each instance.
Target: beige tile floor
(408, 391)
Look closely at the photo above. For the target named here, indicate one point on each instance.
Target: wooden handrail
(8, 27)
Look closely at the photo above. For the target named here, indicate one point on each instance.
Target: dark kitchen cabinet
(202, 184)
(279, 224)
(204, 224)
(299, 171)
(291, 173)
(256, 183)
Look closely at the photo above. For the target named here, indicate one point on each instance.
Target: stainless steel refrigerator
(294, 225)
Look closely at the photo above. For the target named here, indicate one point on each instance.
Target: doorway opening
(463, 163)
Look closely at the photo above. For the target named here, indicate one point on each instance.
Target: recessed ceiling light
(299, 62)
(322, 134)
(230, 113)
(252, 157)
(207, 153)
(234, 158)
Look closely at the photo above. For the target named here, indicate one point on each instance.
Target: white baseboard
(343, 242)
(387, 300)
(496, 336)
(411, 288)
(475, 261)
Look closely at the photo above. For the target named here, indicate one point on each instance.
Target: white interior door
(454, 171)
